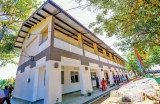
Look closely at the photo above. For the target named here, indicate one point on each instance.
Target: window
(74, 77)
(62, 77)
(93, 75)
(44, 34)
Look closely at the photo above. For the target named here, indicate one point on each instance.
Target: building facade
(59, 55)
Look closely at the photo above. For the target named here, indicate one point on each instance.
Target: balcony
(61, 44)
(91, 55)
(58, 43)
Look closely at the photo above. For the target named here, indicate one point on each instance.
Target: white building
(66, 55)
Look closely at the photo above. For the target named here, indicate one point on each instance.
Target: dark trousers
(97, 84)
(7, 100)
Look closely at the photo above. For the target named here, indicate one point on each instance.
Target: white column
(35, 86)
(85, 80)
(100, 74)
(53, 88)
(110, 77)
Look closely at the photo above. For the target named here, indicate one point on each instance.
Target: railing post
(80, 42)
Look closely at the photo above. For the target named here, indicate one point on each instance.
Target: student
(6, 98)
(97, 82)
(122, 78)
(117, 79)
(10, 91)
(103, 84)
(127, 78)
(114, 78)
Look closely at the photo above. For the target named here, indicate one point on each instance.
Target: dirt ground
(101, 99)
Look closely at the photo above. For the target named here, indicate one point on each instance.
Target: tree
(13, 13)
(7, 82)
(131, 21)
(151, 60)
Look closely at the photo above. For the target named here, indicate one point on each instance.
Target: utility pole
(2, 33)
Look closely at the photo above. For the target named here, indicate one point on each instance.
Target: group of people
(6, 94)
(119, 78)
(103, 83)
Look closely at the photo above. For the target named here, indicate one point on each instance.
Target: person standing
(127, 78)
(114, 78)
(117, 79)
(122, 78)
(97, 82)
(10, 91)
(6, 98)
(103, 84)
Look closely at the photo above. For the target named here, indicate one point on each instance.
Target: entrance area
(106, 74)
(70, 79)
(94, 75)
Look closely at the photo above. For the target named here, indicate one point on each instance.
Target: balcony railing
(61, 44)
(58, 43)
(103, 59)
(91, 55)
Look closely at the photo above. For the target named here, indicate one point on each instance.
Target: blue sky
(83, 16)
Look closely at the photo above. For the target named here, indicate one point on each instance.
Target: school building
(59, 56)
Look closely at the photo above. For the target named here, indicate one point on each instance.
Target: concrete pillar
(95, 48)
(104, 53)
(80, 42)
(110, 75)
(100, 74)
(85, 80)
(53, 88)
(51, 30)
(35, 86)
(110, 56)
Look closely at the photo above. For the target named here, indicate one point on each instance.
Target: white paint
(58, 43)
(70, 60)
(40, 88)
(100, 75)
(91, 55)
(22, 86)
(27, 68)
(110, 62)
(103, 59)
(85, 80)
(41, 61)
(43, 46)
(68, 86)
(93, 64)
(53, 88)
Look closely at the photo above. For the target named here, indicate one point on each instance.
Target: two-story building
(66, 57)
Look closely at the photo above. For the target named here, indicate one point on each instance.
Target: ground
(99, 101)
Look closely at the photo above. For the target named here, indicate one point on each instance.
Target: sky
(83, 16)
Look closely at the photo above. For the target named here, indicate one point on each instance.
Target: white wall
(23, 89)
(40, 88)
(68, 86)
(34, 48)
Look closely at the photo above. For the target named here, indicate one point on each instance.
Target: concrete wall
(41, 84)
(23, 89)
(31, 44)
(68, 86)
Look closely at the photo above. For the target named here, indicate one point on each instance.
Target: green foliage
(13, 13)
(131, 21)
(7, 82)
